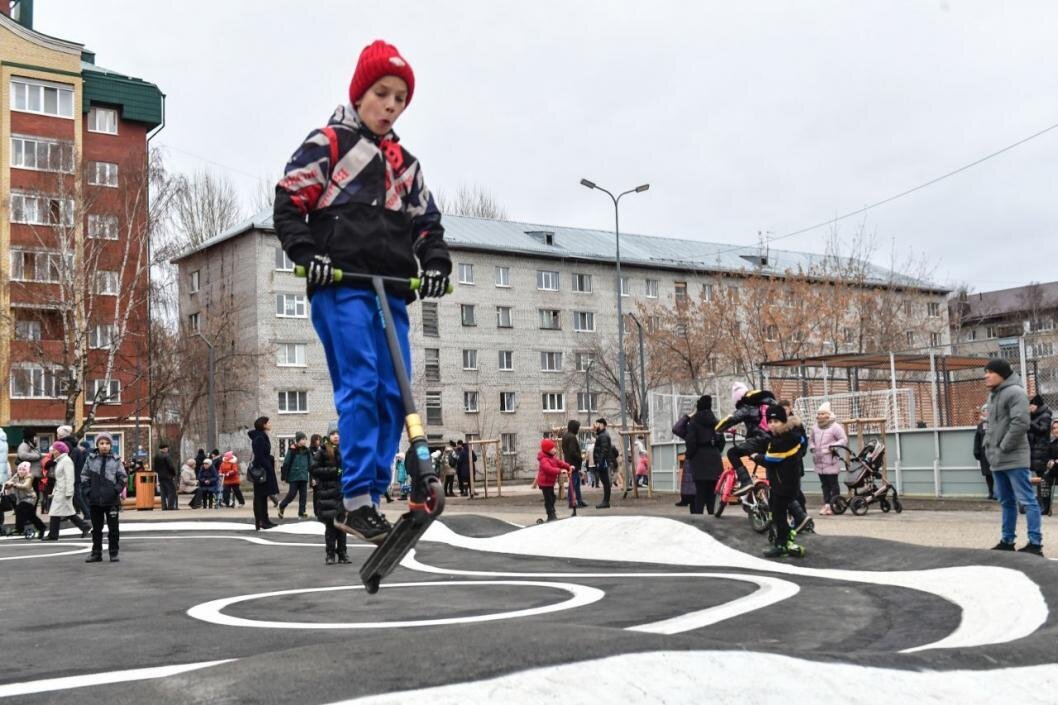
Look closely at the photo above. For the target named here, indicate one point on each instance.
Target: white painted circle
(36, 544)
(212, 612)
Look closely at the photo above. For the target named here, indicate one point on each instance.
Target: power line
(232, 169)
(907, 192)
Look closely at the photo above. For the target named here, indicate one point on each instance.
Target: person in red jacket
(550, 467)
(230, 475)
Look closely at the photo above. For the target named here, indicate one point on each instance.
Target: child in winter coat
(326, 474)
(26, 509)
(783, 451)
(548, 472)
(229, 472)
(352, 198)
(207, 484)
(826, 434)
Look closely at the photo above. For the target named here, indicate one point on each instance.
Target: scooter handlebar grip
(300, 271)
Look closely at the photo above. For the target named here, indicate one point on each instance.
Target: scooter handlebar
(338, 275)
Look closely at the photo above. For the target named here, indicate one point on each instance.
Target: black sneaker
(364, 523)
(344, 559)
(114, 559)
(774, 551)
(1033, 548)
(1003, 546)
(602, 505)
(94, 559)
(329, 560)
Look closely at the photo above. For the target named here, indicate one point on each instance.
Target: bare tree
(475, 201)
(204, 205)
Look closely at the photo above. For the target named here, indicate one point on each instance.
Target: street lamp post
(587, 390)
(643, 408)
(620, 317)
(211, 412)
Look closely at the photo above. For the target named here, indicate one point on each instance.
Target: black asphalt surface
(61, 617)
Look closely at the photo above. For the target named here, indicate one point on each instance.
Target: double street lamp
(620, 317)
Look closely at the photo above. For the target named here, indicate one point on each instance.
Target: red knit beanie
(379, 59)
(547, 445)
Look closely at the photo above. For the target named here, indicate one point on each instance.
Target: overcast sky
(742, 116)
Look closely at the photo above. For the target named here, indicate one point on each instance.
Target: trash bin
(145, 484)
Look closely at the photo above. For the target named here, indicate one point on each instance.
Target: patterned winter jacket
(360, 200)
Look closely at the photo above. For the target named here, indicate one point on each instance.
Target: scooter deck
(401, 539)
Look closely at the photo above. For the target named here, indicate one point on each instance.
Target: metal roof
(513, 237)
(1005, 302)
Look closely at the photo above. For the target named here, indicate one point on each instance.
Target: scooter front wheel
(435, 497)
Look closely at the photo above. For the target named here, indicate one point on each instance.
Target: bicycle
(755, 503)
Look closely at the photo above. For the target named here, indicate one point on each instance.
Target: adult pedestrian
(188, 479)
(466, 457)
(296, 470)
(326, 472)
(450, 461)
(589, 463)
(62, 496)
(1039, 447)
(104, 478)
(826, 434)
(29, 452)
(571, 453)
(232, 479)
(200, 457)
(78, 455)
(1007, 450)
(1052, 460)
(704, 448)
(687, 486)
(979, 449)
(163, 465)
(603, 456)
(208, 481)
(262, 457)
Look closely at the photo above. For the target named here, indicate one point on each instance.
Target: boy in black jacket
(782, 454)
(352, 198)
(326, 473)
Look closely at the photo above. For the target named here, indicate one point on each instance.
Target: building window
(433, 409)
(470, 402)
(771, 333)
(582, 283)
(1041, 325)
(29, 96)
(553, 402)
(681, 290)
(626, 287)
(1042, 350)
(430, 324)
(103, 227)
(100, 337)
(290, 306)
(972, 335)
(283, 263)
(43, 267)
(293, 402)
(587, 401)
(911, 339)
(194, 322)
(508, 402)
(991, 331)
(466, 274)
(503, 317)
(503, 277)
(104, 391)
(470, 359)
(466, 314)
(547, 280)
(103, 120)
(908, 308)
(291, 355)
(41, 154)
(194, 281)
(934, 339)
(34, 382)
(549, 319)
(583, 360)
(27, 330)
(432, 364)
(284, 443)
(583, 321)
(651, 288)
(509, 443)
(107, 283)
(103, 174)
(506, 360)
(550, 361)
(707, 292)
(31, 209)
(933, 309)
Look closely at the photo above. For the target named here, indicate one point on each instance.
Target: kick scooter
(426, 501)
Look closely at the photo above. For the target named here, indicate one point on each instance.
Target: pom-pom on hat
(379, 59)
(775, 413)
(547, 445)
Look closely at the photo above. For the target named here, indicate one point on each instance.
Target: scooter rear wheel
(435, 497)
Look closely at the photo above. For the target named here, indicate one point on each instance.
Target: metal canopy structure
(902, 362)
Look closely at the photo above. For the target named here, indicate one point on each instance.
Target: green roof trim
(140, 101)
(31, 67)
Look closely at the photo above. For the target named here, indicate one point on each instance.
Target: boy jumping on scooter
(352, 198)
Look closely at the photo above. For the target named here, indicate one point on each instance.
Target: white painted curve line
(46, 685)
(249, 539)
(82, 548)
(680, 678)
(212, 612)
(771, 591)
(1012, 608)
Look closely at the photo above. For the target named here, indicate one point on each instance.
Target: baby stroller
(866, 480)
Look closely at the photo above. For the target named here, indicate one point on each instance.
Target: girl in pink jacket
(548, 471)
(825, 434)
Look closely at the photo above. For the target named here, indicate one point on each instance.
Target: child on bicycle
(352, 198)
(781, 456)
(750, 405)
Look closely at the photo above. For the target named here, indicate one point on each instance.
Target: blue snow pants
(366, 393)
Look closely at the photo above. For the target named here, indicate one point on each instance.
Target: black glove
(318, 271)
(433, 284)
